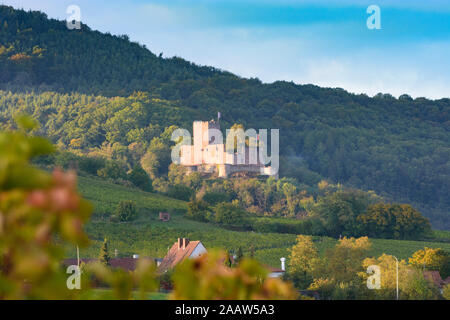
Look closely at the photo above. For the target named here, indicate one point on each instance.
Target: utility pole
(397, 274)
(78, 256)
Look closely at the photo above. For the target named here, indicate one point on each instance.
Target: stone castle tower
(208, 155)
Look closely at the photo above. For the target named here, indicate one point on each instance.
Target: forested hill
(399, 148)
(42, 52)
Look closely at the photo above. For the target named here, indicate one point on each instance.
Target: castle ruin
(208, 154)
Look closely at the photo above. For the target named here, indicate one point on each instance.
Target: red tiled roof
(275, 269)
(128, 264)
(177, 254)
(434, 277)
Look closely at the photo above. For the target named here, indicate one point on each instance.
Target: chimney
(185, 243)
(116, 253)
(283, 265)
(180, 244)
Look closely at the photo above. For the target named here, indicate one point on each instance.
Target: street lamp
(78, 256)
(397, 274)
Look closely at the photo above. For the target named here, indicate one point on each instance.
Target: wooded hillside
(81, 84)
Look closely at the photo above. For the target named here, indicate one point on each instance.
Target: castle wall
(209, 156)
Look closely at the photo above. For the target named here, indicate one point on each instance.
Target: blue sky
(326, 43)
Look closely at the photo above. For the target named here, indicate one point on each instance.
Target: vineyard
(147, 236)
(105, 197)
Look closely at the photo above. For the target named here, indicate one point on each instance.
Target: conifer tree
(104, 257)
(252, 251)
(228, 262)
(239, 255)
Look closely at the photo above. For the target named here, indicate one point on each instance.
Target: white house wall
(198, 251)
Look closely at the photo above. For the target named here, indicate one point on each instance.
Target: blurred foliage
(207, 278)
(121, 282)
(35, 208)
(38, 210)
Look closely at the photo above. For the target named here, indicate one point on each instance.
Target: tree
(112, 170)
(239, 255)
(378, 221)
(304, 259)
(229, 214)
(180, 192)
(215, 197)
(228, 262)
(432, 259)
(157, 159)
(344, 262)
(140, 178)
(104, 257)
(290, 192)
(446, 292)
(412, 284)
(197, 210)
(398, 221)
(252, 251)
(126, 211)
(324, 286)
(340, 210)
(409, 223)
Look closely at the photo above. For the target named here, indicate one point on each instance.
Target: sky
(326, 43)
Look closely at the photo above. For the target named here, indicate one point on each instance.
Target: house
(164, 216)
(278, 272)
(447, 281)
(181, 250)
(435, 278)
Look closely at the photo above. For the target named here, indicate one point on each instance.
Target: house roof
(271, 269)
(177, 254)
(434, 277)
(128, 264)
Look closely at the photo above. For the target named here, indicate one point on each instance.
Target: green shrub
(65, 160)
(126, 211)
(90, 165)
(308, 226)
(214, 197)
(112, 170)
(197, 210)
(229, 214)
(140, 179)
(180, 192)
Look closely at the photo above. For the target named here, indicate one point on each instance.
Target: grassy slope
(105, 197)
(149, 237)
